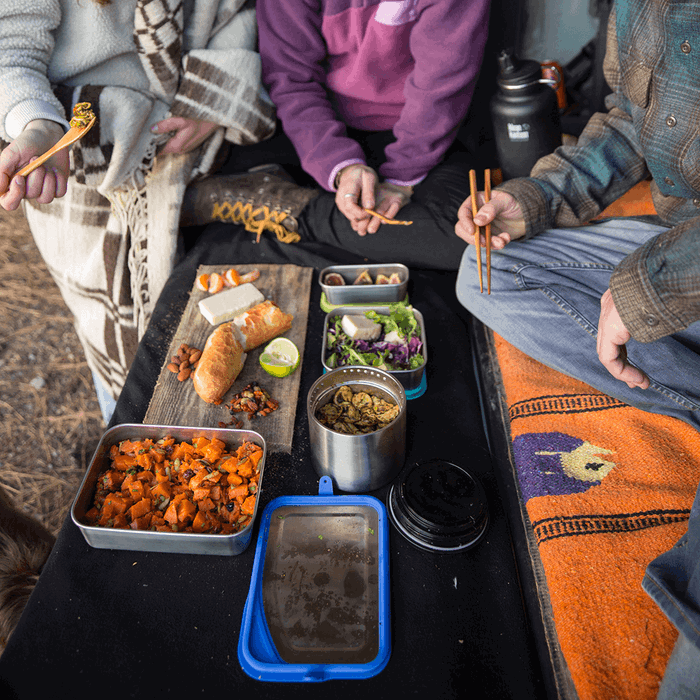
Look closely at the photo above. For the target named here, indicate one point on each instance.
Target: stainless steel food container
(410, 378)
(147, 540)
(365, 293)
(357, 463)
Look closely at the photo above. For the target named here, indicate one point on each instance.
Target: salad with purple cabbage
(398, 347)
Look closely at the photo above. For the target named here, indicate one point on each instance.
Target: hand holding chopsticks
(487, 228)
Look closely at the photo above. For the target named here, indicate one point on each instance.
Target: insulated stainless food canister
(357, 463)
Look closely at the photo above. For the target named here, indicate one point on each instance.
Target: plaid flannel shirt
(652, 128)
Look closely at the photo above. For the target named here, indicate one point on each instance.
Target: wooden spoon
(74, 134)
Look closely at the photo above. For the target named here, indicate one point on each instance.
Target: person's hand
(612, 337)
(355, 192)
(48, 181)
(187, 133)
(389, 199)
(502, 212)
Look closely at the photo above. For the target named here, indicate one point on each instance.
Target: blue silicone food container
(318, 603)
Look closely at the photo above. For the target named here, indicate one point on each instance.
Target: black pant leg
(429, 243)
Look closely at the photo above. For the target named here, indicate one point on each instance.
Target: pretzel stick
(387, 220)
(477, 234)
(487, 198)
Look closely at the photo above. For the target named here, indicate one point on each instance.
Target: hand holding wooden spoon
(41, 140)
(82, 121)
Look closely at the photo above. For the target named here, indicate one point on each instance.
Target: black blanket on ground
(121, 624)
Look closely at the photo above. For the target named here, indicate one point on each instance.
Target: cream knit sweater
(111, 242)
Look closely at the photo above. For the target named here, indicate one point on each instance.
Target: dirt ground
(50, 421)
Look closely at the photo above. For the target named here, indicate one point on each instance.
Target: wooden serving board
(177, 403)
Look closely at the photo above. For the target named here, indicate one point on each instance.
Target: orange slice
(216, 283)
(203, 282)
(232, 278)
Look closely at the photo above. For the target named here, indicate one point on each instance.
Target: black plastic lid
(515, 73)
(439, 506)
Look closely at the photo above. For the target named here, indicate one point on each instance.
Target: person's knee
(682, 676)
(469, 287)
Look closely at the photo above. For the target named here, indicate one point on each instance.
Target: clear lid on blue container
(318, 603)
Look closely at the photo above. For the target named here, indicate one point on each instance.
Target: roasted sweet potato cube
(238, 493)
(162, 488)
(92, 515)
(112, 480)
(213, 450)
(200, 494)
(197, 479)
(234, 480)
(120, 522)
(142, 523)
(181, 450)
(201, 522)
(233, 514)
(137, 490)
(230, 464)
(245, 468)
(212, 478)
(145, 475)
(200, 443)
(185, 511)
(248, 506)
(145, 460)
(206, 504)
(124, 462)
(256, 456)
(170, 514)
(139, 509)
(127, 446)
(119, 503)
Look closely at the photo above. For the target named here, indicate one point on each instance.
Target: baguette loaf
(221, 362)
(260, 324)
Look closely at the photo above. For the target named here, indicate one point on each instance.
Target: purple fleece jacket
(404, 65)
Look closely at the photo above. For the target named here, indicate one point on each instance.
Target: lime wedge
(280, 358)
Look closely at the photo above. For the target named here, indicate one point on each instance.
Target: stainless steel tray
(365, 293)
(151, 541)
(410, 378)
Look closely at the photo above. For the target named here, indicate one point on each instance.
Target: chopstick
(487, 198)
(477, 234)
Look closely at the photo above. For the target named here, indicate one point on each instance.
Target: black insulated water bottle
(525, 115)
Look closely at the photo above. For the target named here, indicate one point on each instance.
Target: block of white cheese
(360, 327)
(227, 304)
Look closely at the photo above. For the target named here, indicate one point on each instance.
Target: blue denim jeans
(104, 399)
(545, 300)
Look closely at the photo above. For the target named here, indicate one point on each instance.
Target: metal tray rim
(170, 542)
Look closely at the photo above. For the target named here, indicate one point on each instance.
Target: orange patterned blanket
(607, 488)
